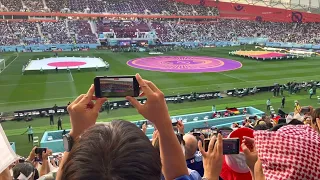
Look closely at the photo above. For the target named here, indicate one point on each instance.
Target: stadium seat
(115, 105)
(51, 111)
(35, 113)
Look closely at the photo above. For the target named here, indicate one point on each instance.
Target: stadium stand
(34, 5)
(62, 31)
(56, 32)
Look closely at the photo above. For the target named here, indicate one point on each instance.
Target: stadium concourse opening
(185, 64)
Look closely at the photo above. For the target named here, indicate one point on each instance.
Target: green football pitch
(18, 92)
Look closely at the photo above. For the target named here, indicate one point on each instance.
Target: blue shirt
(185, 177)
(196, 163)
(193, 175)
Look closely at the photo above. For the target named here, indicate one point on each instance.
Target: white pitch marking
(233, 77)
(10, 63)
(15, 102)
(71, 76)
(52, 82)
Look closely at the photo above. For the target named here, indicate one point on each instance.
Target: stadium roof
(300, 5)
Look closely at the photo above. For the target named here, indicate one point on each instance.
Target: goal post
(2, 65)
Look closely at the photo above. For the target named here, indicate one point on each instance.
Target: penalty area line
(71, 77)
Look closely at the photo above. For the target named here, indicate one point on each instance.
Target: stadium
(234, 81)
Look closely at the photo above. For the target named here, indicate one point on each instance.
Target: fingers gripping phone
(229, 145)
(116, 86)
(39, 151)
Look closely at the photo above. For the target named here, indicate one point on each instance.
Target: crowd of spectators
(6, 35)
(80, 31)
(34, 5)
(268, 148)
(56, 5)
(56, 32)
(12, 5)
(231, 29)
(112, 6)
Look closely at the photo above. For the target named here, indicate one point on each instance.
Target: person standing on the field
(310, 93)
(59, 123)
(51, 119)
(281, 90)
(268, 104)
(283, 101)
(107, 106)
(30, 133)
(55, 108)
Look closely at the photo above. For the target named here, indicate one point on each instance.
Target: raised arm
(5, 174)
(45, 162)
(156, 111)
(83, 114)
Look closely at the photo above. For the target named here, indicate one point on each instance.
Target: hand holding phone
(38, 152)
(213, 158)
(229, 145)
(116, 86)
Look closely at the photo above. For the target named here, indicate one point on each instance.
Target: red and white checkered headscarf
(291, 153)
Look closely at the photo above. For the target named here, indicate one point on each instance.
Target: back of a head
(191, 145)
(115, 151)
(261, 127)
(295, 122)
(315, 115)
(24, 168)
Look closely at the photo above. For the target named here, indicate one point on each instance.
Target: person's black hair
(282, 121)
(118, 150)
(224, 128)
(278, 126)
(260, 127)
(295, 122)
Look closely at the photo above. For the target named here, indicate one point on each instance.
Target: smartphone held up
(229, 145)
(116, 86)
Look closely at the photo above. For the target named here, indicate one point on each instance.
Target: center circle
(180, 62)
(184, 64)
(67, 64)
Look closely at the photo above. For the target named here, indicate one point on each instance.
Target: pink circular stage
(185, 64)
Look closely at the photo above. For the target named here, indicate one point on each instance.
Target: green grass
(34, 90)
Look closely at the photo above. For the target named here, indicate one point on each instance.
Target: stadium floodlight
(2, 65)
